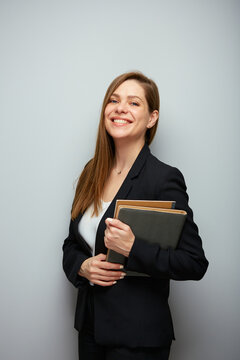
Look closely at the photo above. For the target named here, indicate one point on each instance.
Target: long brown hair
(94, 175)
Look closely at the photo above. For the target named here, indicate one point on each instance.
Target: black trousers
(88, 349)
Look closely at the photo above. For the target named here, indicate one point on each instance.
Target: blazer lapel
(121, 194)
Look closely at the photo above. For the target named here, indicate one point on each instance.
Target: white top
(88, 224)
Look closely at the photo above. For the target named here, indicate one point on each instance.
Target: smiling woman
(121, 317)
(96, 173)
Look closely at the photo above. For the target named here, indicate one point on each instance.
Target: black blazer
(135, 311)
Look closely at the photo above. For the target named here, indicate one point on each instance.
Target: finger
(106, 242)
(116, 223)
(108, 273)
(110, 266)
(113, 231)
(96, 264)
(101, 257)
(107, 278)
(95, 271)
(106, 232)
(104, 283)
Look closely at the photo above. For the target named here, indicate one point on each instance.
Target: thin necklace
(120, 171)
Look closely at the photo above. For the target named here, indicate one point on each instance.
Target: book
(146, 203)
(155, 224)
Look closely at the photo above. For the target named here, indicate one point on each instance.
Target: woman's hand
(118, 236)
(97, 270)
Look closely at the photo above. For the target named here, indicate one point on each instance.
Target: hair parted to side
(94, 175)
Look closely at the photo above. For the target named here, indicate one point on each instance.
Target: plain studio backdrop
(57, 59)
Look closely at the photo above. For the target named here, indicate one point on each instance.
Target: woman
(118, 316)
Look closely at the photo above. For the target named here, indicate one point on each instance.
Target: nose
(121, 107)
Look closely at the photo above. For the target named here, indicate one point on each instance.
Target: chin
(117, 133)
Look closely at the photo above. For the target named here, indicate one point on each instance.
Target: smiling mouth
(121, 121)
(117, 121)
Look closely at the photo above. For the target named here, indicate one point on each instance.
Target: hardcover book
(155, 224)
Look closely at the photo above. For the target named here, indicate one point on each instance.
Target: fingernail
(122, 277)
(121, 267)
(123, 274)
(109, 219)
(114, 282)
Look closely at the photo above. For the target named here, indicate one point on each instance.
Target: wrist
(126, 252)
(81, 271)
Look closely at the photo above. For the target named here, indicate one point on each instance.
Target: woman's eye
(134, 103)
(113, 101)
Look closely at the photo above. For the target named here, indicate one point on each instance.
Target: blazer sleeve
(187, 261)
(73, 257)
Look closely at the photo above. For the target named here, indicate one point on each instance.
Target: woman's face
(127, 115)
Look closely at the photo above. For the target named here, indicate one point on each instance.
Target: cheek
(142, 117)
(108, 109)
(107, 124)
(106, 113)
(146, 117)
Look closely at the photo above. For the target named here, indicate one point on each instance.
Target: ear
(153, 118)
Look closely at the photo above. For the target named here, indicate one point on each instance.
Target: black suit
(135, 311)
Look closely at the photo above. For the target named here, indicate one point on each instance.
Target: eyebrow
(129, 96)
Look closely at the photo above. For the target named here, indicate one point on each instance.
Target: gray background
(57, 58)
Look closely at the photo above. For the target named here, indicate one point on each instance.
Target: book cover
(151, 224)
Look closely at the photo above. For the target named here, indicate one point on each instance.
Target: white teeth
(120, 121)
